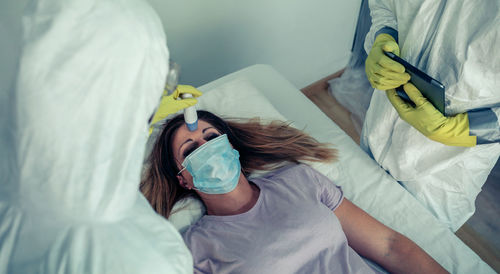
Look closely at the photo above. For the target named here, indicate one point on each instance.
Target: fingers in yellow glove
(384, 81)
(401, 106)
(452, 131)
(390, 65)
(181, 89)
(390, 45)
(382, 72)
(170, 104)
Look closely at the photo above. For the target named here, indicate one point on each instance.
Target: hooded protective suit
(455, 42)
(79, 80)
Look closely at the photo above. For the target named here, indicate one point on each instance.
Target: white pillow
(239, 99)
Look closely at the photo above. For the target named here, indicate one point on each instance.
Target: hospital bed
(261, 91)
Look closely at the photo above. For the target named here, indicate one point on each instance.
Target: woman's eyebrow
(205, 129)
(180, 147)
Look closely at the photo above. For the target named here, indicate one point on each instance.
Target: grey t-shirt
(291, 229)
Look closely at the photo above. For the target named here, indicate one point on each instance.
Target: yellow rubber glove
(382, 72)
(172, 103)
(451, 131)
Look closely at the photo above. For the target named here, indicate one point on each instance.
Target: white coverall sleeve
(382, 17)
(484, 124)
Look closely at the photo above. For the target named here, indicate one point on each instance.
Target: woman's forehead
(183, 133)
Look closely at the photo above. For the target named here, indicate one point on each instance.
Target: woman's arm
(372, 239)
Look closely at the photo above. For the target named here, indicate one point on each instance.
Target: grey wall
(304, 40)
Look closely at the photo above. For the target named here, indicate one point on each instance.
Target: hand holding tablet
(432, 89)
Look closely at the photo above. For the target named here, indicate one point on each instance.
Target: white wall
(305, 40)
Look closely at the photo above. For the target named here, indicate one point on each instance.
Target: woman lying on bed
(292, 220)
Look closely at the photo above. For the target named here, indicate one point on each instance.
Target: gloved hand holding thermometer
(171, 103)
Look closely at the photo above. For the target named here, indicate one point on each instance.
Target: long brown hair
(262, 146)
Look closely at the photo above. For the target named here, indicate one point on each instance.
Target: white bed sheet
(362, 180)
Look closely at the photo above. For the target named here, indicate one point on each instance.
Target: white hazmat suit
(455, 42)
(79, 80)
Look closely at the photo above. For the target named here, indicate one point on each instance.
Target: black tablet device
(432, 89)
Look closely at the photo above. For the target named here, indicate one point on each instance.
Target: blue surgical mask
(215, 166)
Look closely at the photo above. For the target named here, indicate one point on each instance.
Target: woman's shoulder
(299, 169)
(289, 168)
(290, 172)
(194, 231)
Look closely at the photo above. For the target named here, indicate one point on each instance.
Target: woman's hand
(390, 249)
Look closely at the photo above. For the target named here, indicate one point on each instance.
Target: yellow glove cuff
(455, 132)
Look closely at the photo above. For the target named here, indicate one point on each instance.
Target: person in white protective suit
(79, 80)
(442, 160)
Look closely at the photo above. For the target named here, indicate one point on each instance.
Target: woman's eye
(188, 151)
(211, 136)
(195, 145)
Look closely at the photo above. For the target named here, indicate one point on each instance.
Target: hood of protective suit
(79, 81)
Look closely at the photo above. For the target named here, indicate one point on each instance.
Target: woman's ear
(182, 182)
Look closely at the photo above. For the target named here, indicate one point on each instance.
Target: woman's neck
(238, 201)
